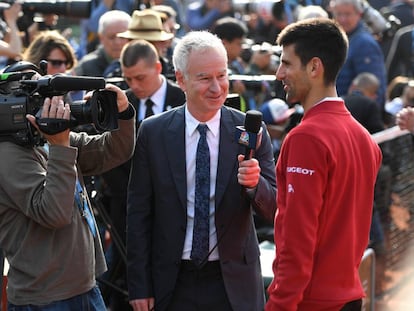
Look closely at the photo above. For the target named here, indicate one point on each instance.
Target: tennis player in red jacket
(325, 176)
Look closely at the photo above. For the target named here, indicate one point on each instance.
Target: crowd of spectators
(381, 36)
(371, 25)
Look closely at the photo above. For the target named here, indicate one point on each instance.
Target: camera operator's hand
(12, 44)
(54, 108)
(121, 98)
(405, 119)
(12, 14)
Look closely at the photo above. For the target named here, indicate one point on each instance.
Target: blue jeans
(89, 301)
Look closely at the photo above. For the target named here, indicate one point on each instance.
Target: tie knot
(202, 128)
(149, 103)
(148, 111)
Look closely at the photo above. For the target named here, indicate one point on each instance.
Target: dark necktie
(200, 247)
(148, 111)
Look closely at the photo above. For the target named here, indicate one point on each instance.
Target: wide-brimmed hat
(146, 25)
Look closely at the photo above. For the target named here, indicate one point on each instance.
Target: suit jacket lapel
(175, 146)
(228, 151)
(133, 100)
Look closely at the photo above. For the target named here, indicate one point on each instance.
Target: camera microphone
(71, 83)
(250, 135)
(60, 84)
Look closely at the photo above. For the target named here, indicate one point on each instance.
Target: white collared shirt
(158, 99)
(191, 140)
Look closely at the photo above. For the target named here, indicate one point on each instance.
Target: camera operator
(47, 229)
(41, 22)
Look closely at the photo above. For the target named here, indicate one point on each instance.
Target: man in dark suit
(165, 270)
(360, 101)
(141, 70)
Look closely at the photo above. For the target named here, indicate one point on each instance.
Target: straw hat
(146, 25)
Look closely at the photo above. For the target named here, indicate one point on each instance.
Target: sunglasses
(57, 62)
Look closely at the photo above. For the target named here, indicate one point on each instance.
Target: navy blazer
(157, 202)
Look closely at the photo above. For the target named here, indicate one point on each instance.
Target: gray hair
(311, 11)
(112, 17)
(366, 80)
(195, 41)
(357, 4)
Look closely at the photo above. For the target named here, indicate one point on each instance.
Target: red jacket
(326, 174)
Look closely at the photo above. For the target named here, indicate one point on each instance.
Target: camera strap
(82, 203)
(52, 126)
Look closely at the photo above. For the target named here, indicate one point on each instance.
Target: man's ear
(158, 67)
(315, 66)
(180, 79)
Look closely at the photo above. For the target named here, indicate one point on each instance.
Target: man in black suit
(163, 210)
(360, 101)
(141, 70)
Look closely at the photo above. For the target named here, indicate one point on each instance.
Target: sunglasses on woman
(56, 63)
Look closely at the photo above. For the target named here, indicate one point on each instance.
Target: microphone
(250, 135)
(77, 83)
(60, 84)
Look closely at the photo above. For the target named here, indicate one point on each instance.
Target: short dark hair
(46, 41)
(229, 28)
(318, 37)
(278, 10)
(136, 50)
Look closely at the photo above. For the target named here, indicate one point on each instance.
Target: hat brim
(283, 117)
(146, 35)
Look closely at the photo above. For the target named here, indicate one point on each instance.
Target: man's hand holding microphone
(249, 136)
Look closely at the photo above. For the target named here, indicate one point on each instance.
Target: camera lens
(101, 110)
(104, 110)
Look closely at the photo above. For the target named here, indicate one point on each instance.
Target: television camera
(75, 8)
(20, 94)
(382, 25)
(69, 8)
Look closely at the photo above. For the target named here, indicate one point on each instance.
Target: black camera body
(21, 95)
(70, 8)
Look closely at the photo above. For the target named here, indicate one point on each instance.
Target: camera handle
(52, 126)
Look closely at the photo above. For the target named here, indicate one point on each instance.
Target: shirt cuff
(251, 192)
(127, 113)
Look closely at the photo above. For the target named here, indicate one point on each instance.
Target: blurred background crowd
(86, 38)
(86, 43)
